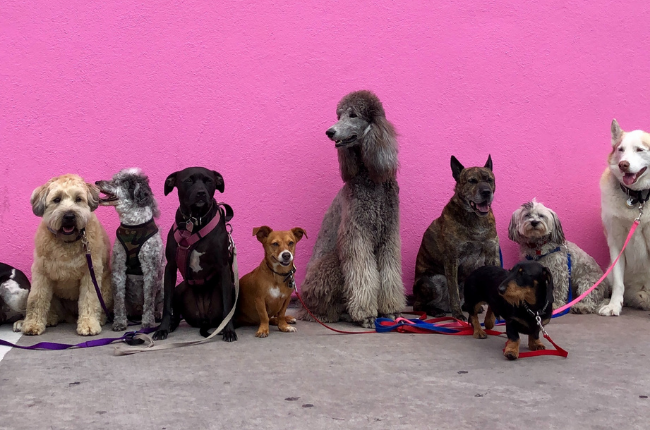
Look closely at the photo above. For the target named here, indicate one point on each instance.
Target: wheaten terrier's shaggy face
(533, 221)
(65, 203)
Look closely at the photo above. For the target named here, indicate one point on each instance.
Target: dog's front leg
(534, 344)
(260, 307)
(38, 304)
(150, 264)
(90, 310)
(170, 283)
(391, 299)
(228, 300)
(617, 275)
(511, 351)
(118, 274)
(451, 273)
(283, 319)
(360, 273)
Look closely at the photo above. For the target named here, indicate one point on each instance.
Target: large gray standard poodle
(356, 264)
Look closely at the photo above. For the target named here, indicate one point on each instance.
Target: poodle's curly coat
(355, 267)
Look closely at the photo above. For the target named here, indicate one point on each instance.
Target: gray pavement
(314, 379)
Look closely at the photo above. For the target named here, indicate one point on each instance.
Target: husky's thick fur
(624, 185)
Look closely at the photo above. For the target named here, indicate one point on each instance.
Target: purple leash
(128, 337)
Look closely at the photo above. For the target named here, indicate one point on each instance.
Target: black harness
(132, 237)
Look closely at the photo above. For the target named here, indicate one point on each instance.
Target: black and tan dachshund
(517, 296)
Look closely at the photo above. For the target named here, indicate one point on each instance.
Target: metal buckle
(129, 336)
(84, 241)
(637, 219)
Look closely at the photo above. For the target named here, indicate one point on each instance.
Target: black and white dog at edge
(138, 262)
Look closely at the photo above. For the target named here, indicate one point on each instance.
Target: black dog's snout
(502, 289)
(68, 217)
(534, 223)
(286, 255)
(330, 133)
(201, 193)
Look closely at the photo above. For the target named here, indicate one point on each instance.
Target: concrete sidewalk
(314, 379)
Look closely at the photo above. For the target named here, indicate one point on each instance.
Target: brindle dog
(461, 240)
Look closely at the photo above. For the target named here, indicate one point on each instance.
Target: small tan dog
(60, 270)
(265, 293)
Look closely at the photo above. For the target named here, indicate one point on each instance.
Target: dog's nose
(330, 133)
(69, 216)
(201, 193)
(534, 223)
(486, 193)
(624, 165)
(286, 256)
(502, 289)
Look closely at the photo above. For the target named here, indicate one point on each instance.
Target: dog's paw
(88, 327)
(262, 332)
(611, 309)
(535, 345)
(583, 308)
(459, 316)
(229, 335)
(148, 324)
(480, 334)
(18, 326)
(120, 325)
(32, 328)
(511, 351)
(160, 334)
(368, 322)
(392, 316)
(290, 319)
(287, 329)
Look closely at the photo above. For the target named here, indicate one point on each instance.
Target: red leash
(325, 325)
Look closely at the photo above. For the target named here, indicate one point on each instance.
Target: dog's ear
(488, 163)
(299, 233)
(549, 285)
(557, 235)
(92, 191)
(513, 228)
(218, 180)
(456, 168)
(616, 132)
(38, 198)
(170, 183)
(262, 232)
(379, 149)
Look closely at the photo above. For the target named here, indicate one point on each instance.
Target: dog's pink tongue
(484, 207)
(68, 229)
(629, 178)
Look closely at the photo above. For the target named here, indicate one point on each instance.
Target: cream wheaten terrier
(60, 273)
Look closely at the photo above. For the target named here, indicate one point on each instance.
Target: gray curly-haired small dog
(356, 263)
(538, 231)
(138, 253)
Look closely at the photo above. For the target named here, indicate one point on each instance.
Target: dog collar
(635, 197)
(535, 314)
(288, 277)
(81, 233)
(539, 255)
(191, 221)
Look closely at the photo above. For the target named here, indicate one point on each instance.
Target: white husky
(624, 186)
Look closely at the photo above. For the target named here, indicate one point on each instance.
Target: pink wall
(249, 90)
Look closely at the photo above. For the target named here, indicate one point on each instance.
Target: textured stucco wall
(249, 90)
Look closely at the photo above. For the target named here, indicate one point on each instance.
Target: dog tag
(189, 226)
(630, 202)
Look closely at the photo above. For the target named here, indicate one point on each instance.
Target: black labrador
(199, 243)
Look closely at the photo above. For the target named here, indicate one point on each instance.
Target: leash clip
(539, 323)
(640, 212)
(84, 241)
